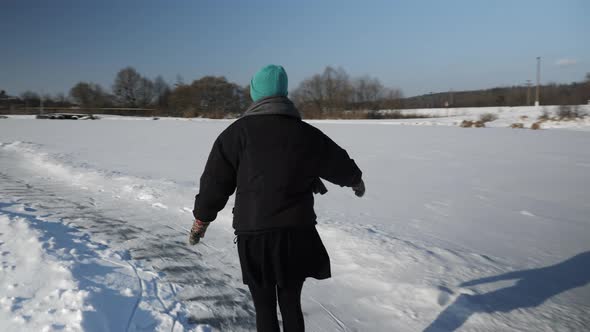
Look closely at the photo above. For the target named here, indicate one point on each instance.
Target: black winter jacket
(272, 157)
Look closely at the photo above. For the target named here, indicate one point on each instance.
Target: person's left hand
(359, 189)
(197, 231)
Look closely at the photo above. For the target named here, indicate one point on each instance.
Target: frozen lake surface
(469, 229)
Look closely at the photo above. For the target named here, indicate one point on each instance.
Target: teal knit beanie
(269, 81)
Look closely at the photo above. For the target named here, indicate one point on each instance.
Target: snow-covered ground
(468, 229)
(526, 115)
(38, 290)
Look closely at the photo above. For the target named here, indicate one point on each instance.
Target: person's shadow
(533, 288)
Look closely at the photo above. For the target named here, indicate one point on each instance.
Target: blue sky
(418, 46)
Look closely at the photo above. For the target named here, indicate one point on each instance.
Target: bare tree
(162, 92)
(246, 98)
(367, 89)
(61, 99)
(336, 88)
(179, 80)
(31, 99)
(391, 98)
(211, 96)
(89, 95)
(160, 86)
(310, 93)
(145, 92)
(132, 89)
(324, 92)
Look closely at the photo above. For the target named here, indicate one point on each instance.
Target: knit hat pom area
(269, 81)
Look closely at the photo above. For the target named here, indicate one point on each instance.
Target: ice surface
(469, 229)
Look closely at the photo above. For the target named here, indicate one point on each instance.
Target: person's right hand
(197, 231)
(359, 189)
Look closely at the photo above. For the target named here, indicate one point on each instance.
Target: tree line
(329, 94)
(215, 97)
(575, 93)
(135, 94)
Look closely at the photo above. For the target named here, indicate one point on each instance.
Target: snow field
(445, 207)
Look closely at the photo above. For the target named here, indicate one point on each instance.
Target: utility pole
(528, 92)
(538, 80)
(451, 102)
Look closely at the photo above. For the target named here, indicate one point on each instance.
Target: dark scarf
(277, 105)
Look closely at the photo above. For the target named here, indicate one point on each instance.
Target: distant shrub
(569, 112)
(394, 115)
(466, 124)
(374, 115)
(536, 126)
(474, 124)
(488, 117)
(517, 125)
(189, 113)
(545, 115)
(216, 115)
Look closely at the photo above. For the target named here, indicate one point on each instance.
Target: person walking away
(273, 161)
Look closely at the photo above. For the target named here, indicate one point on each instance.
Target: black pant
(265, 302)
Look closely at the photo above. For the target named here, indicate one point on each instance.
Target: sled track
(146, 239)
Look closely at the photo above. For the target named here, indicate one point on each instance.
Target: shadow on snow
(533, 287)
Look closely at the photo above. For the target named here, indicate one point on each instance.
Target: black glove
(318, 187)
(359, 189)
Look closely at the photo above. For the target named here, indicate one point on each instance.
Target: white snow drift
(39, 292)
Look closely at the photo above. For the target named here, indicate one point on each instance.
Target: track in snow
(381, 280)
(209, 292)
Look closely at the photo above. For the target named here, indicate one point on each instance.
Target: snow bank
(37, 291)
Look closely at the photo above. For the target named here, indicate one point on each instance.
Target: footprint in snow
(127, 292)
(527, 213)
(159, 206)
